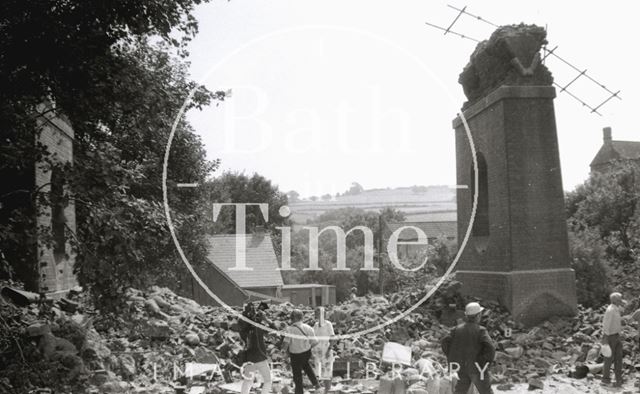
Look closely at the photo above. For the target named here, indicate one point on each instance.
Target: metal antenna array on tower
(547, 53)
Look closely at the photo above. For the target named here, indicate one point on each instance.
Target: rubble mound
(68, 346)
(511, 56)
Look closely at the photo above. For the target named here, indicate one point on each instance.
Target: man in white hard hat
(469, 351)
(611, 330)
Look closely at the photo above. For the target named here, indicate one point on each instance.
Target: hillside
(419, 203)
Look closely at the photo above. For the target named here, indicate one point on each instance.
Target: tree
(313, 198)
(326, 197)
(346, 219)
(438, 255)
(604, 231)
(355, 189)
(293, 196)
(75, 45)
(588, 259)
(123, 239)
(121, 94)
(419, 189)
(610, 203)
(235, 187)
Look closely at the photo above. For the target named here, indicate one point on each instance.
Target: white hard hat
(616, 295)
(472, 309)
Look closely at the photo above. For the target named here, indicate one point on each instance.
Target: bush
(592, 272)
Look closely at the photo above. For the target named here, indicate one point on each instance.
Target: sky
(325, 93)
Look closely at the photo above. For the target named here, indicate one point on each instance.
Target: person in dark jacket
(256, 359)
(470, 351)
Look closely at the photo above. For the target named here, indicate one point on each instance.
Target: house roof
(304, 286)
(431, 229)
(260, 258)
(617, 150)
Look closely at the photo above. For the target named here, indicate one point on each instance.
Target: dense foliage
(239, 188)
(604, 232)
(439, 255)
(115, 70)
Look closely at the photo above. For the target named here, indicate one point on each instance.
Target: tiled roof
(617, 150)
(431, 229)
(260, 256)
(304, 286)
(627, 149)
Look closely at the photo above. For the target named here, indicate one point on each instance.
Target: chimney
(606, 135)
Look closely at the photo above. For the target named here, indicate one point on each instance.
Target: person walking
(322, 353)
(470, 351)
(611, 330)
(300, 350)
(255, 351)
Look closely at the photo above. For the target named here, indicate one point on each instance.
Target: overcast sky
(329, 92)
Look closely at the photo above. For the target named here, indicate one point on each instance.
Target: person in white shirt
(611, 329)
(323, 355)
(300, 350)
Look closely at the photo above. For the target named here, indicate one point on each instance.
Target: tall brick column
(518, 250)
(55, 262)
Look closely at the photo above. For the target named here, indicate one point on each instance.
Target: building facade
(612, 150)
(310, 294)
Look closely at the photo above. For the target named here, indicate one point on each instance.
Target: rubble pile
(509, 57)
(68, 345)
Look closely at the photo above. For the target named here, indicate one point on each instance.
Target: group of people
(468, 348)
(305, 345)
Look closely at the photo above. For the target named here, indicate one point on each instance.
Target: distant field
(432, 203)
(439, 216)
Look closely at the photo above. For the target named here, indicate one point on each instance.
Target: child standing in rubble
(323, 355)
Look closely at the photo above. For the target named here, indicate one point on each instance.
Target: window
(481, 223)
(318, 300)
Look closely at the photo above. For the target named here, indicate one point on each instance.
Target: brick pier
(518, 250)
